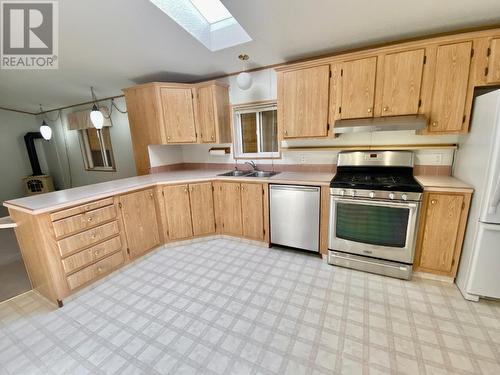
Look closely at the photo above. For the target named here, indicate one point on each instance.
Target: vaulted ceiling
(112, 44)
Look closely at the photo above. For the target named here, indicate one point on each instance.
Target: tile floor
(228, 307)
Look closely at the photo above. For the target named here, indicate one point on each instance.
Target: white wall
(264, 87)
(65, 157)
(14, 161)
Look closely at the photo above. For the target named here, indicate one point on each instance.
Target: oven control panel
(376, 194)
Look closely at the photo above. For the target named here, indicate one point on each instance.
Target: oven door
(380, 229)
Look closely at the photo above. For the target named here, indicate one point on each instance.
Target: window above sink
(256, 131)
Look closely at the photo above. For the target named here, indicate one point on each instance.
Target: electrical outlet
(438, 159)
(303, 159)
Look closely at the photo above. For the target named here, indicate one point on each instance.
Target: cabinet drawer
(81, 209)
(87, 238)
(95, 270)
(84, 257)
(108, 264)
(82, 221)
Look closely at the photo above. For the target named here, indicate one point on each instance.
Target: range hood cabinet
(393, 123)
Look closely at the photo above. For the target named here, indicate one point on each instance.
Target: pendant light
(45, 130)
(244, 79)
(96, 116)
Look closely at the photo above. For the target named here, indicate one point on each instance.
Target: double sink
(238, 173)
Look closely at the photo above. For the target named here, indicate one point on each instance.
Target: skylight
(213, 10)
(208, 21)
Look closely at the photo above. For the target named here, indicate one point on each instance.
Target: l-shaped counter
(70, 238)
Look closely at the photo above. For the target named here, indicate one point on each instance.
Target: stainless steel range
(374, 207)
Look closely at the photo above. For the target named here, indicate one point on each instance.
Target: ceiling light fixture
(244, 79)
(45, 130)
(96, 116)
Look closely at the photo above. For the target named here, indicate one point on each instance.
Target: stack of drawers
(88, 238)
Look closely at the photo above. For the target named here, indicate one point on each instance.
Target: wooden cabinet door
(230, 208)
(138, 211)
(178, 114)
(252, 210)
(206, 116)
(178, 211)
(305, 102)
(441, 222)
(493, 72)
(450, 87)
(358, 88)
(202, 208)
(402, 82)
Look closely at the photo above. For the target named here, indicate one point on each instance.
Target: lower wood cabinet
(252, 211)
(442, 228)
(202, 208)
(241, 209)
(138, 210)
(178, 212)
(229, 202)
(189, 210)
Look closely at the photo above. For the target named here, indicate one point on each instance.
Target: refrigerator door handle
(495, 201)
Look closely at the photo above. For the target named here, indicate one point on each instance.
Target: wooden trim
(20, 111)
(253, 104)
(396, 45)
(451, 146)
(79, 104)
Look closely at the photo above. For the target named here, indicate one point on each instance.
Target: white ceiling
(112, 44)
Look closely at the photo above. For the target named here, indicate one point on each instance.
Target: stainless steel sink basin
(261, 174)
(235, 173)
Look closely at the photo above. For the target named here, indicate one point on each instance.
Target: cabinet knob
(99, 269)
(96, 253)
(385, 109)
(434, 124)
(185, 190)
(92, 235)
(369, 110)
(151, 195)
(212, 137)
(286, 132)
(168, 138)
(89, 219)
(433, 201)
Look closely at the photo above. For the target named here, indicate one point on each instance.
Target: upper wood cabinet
(202, 208)
(252, 209)
(213, 112)
(451, 81)
(358, 88)
(178, 114)
(492, 71)
(138, 210)
(303, 102)
(402, 82)
(434, 77)
(442, 227)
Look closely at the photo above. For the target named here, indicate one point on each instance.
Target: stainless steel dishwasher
(294, 211)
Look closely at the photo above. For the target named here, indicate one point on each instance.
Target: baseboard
(431, 276)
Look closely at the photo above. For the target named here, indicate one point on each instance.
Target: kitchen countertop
(65, 198)
(444, 183)
(57, 200)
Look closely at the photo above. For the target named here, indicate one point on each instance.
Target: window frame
(88, 161)
(237, 111)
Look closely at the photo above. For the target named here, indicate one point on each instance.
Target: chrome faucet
(252, 164)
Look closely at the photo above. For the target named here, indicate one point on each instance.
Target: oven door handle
(364, 202)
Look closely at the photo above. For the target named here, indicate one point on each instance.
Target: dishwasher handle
(294, 188)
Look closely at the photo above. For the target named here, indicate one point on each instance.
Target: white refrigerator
(478, 163)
